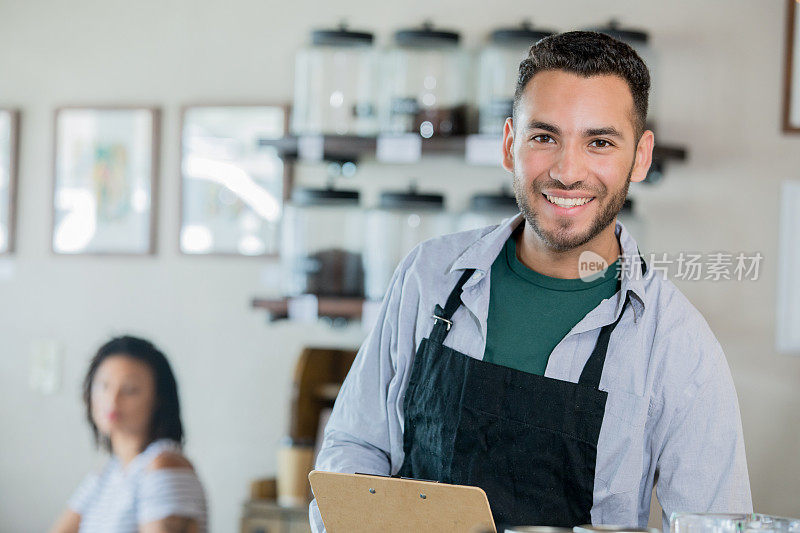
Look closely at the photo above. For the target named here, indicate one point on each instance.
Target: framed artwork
(104, 180)
(791, 92)
(9, 150)
(232, 188)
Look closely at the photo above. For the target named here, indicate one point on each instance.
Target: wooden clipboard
(359, 503)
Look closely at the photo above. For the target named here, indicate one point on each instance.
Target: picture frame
(9, 157)
(791, 89)
(232, 187)
(105, 161)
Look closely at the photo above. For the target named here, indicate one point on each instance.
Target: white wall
(720, 63)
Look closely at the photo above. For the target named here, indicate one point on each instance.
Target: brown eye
(600, 143)
(542, 138)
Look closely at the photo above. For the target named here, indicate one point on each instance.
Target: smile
(568, 203)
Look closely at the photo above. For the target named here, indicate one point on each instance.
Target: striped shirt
(118, 499)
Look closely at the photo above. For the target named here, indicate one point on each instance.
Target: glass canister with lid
(639, 40)
(322, 241)
(401, 220)
(335, 88)
(498, 70)
(486, 209)
(424, 86)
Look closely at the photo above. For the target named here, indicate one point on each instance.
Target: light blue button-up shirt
(671, 418)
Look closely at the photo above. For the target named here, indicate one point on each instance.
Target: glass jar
(335, 85)
(322, 242)
(425, 84)
(399, 222)
(486, 209)
(639, 41)
(498, 70)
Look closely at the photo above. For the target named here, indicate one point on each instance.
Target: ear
(508, 145)
(644, 156)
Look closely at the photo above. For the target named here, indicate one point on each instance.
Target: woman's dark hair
(166, 419)
(588, 53)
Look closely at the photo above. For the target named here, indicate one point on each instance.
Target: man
(565, 398)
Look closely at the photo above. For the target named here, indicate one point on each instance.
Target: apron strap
(443, 316)
(593, 370)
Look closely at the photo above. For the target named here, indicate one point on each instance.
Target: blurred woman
(147, 486)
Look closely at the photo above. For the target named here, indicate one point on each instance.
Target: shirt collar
(481, 254)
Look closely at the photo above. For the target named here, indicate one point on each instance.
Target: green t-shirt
(529, 313)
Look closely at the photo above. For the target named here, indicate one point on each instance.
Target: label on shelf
(311, 147)
(484, 150)
(403, 148)
(303, 308)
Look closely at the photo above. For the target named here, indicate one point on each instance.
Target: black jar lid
(341, 36)
(410, 199)
(492, 202)
(309, 197)
(627, 206)
(426, 36)
(627, 35)
(514, 36)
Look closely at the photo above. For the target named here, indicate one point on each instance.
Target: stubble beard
(562, 239)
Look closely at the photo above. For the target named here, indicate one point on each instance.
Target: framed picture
(105, 180)
(791, 92)
(232, 188)
(9, 150)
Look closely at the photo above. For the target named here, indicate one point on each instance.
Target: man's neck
(536, 255)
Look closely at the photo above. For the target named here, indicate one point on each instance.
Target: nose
(113, 398)
(569, 166)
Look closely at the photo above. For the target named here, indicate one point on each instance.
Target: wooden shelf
(328, 307)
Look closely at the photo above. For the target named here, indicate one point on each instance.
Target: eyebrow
(609, 131)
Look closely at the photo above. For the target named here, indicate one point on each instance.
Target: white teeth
(567, 202)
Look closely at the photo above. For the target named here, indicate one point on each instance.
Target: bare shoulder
(169, 460)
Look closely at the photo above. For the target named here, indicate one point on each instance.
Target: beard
(566, 236)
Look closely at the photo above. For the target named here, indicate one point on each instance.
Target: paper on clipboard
(359, 503)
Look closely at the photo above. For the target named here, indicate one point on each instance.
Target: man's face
(573, 152)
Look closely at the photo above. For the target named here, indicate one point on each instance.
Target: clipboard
(361, 503)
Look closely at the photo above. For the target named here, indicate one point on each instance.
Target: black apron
(529, 441)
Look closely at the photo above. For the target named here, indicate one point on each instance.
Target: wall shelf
(352, 148)
(328, 307)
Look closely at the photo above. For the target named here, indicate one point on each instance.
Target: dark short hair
(589, 53)
(166, 420)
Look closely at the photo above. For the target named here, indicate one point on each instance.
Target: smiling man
(494, 363)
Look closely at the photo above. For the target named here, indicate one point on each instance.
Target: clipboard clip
(395, 476)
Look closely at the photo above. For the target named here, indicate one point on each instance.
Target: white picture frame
(104, 180)
(232, 187)
(9, 151)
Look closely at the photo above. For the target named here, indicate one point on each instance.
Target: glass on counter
(732, 523)
(321, 245)
(498, 70)
(425, 84)
(335, 87)
(400, 221)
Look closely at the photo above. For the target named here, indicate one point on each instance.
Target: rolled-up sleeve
(702, 465)
(359, 436)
